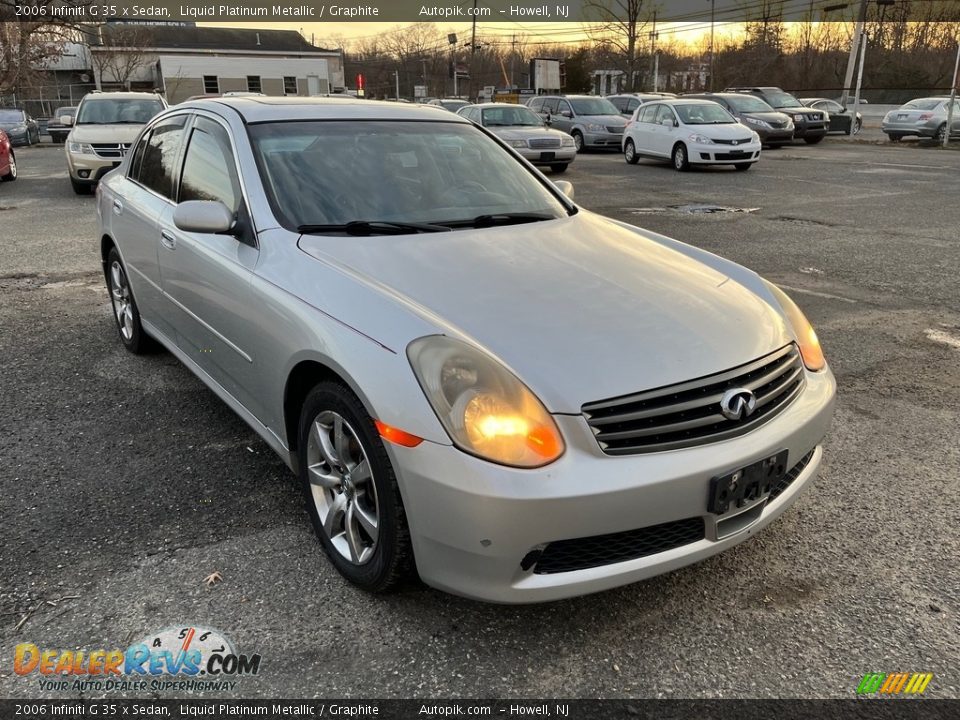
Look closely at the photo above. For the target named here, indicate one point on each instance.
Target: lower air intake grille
(599, 550)
(791, 475)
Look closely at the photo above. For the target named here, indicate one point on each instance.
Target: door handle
(168, 240)
(117, 207)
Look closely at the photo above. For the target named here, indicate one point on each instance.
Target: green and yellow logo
(894, 683)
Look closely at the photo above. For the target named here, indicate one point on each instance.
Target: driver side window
(564, 107)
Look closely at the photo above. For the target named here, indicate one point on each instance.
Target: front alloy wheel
(578, 140)
(680, 161)
(351, 490)
(630, 152)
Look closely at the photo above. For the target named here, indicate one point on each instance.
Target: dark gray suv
(774, 128)
(809, 125)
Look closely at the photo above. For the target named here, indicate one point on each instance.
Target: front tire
(679, 158)
(630, 153)
(813, 140)
(941, 134)
(857, 127)
(351, 490)
(578, 140)
(557, 168)
(125, 311)
(743, 166)
(12, 171)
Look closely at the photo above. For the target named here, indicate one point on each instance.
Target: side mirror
(566, 187)
(203, 216)
(66, 119)
(566, 113)
(668, 122)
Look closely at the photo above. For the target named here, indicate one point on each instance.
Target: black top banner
(862, 709)
(487, 11)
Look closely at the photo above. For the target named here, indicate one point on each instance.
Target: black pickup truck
(809, 124)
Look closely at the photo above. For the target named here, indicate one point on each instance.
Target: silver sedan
(473, 378)
(525, 131)
(923, 117)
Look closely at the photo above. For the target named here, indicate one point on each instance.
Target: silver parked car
(471, 375)
(594, 122)
(923, 117)
(524, 130)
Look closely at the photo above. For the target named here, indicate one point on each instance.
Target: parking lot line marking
(819, 294)
(940, 336)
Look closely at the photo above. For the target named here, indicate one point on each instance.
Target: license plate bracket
(747, 486)
(548, 155)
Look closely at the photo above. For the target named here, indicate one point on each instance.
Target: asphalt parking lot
(124, 482)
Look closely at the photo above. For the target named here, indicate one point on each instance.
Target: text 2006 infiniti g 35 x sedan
(472, 376)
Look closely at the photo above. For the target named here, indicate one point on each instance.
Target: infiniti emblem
(738, 403)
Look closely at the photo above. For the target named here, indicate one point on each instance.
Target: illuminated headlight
(758, 122)
(80, 148)
(567, 141)
(798, 118)
(484, 408)
(700, 139)
(518, 143)
(810, 349)
(594, 127)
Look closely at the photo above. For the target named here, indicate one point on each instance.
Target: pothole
(691, 209)
(7, 207)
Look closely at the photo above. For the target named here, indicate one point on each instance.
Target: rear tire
(363, 527)
(630, 153)
(857, 127)
(894, 137)
(941, 134)
(559, 167)
(679, 157)
(813, 140)
(80, 188)
(743, 166)
(12, 172)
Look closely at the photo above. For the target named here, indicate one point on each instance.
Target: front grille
(111, 150)
(689, 414)
(738, 141)
(791, 475)
(590, 552)
(540, 143)
(615, 129)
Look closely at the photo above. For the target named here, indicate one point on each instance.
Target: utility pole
(513, 59)
(712, 16)
(953, 98)
(473, 33)
(856, 100)
(854, 48)
(396, 76)
(653, 51)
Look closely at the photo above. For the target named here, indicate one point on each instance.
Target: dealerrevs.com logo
(189, 658)
(894, 683)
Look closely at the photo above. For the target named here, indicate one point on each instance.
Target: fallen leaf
(213, 578)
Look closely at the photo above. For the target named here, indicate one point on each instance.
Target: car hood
(105, 133)
(581, 308)
(525, 133)
(616, 120)
(768, 116)
(728, 131)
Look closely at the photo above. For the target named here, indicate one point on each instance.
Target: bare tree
(620, 24)
(122, 51)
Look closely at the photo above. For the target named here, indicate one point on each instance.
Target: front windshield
(593, 106)
(511, 116)
(782, 100)
(64, 111)
(748, 103)
(117, 112)
(454, 104)
(924, 104)
(338, 172)
(708, 113)
(11, 116)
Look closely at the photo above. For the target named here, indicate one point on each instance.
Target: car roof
(271, 109)
(680, 101)
(122, 95)
(497, 104)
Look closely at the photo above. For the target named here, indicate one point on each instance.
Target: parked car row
(524, 131)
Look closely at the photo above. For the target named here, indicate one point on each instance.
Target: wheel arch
(301, 379)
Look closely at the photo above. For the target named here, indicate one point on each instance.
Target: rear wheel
(743, 166)
(578, 140)
(813, 140)
(894, 137)
(857, 126)
(559, 167)
(679, 157)
(630, 152)
(351, 490)
(941, 134)
(12, 171)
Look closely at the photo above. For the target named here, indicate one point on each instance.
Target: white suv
(103, 129)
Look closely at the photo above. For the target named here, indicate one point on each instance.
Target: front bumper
(773, 136)
(810, 130)
(473, 523)
(88, 169)
(550, 156)
(718, 154)
(602, 139)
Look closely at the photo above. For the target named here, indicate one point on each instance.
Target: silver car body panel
(335, 301)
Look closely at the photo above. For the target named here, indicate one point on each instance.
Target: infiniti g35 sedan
(474, 378)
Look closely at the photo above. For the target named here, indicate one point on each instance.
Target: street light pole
(953, 98)
(856, 100)
(854, 48)
(712, 15)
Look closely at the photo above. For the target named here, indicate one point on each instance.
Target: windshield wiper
(485, 221)
(372, 227)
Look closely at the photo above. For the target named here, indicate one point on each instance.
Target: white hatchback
(689, 132)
